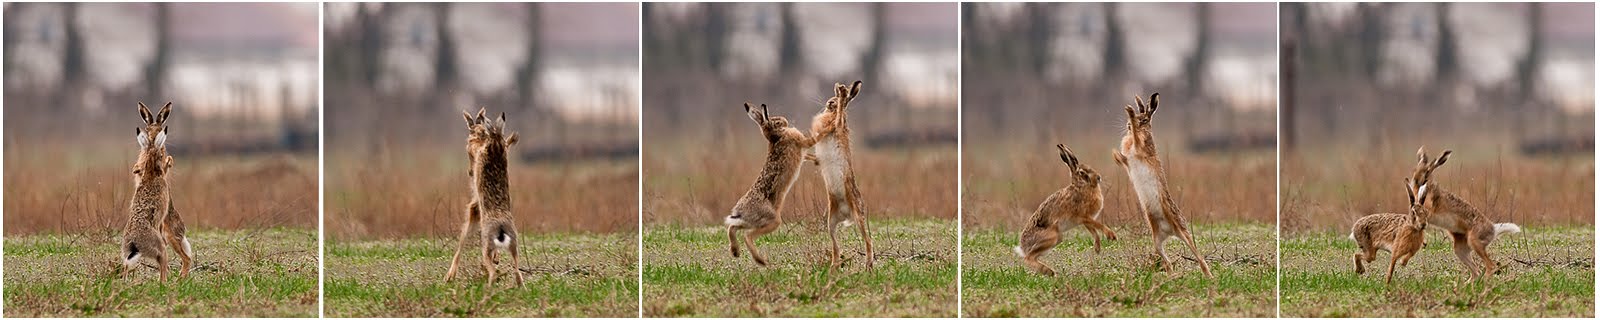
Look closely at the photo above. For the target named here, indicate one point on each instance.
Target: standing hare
(1471, 230)
(1079, 203)
(490, 208)
(761, 209)
(1399, 234)
(832, 136)
(153, 223)
(1137, 155)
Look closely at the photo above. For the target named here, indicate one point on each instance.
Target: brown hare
(1401, 235)
(490, 209)
(1471, 230)
(1137, 155)
(832, 155)
(1077, 204)
(761, 209)
(153, 224)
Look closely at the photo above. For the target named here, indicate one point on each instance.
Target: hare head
(153, 160)
(1139, 119)
(842, 95)
(772, 126)
(1080, 172)
(485, 135)
(1417, 197)
(1423, 173)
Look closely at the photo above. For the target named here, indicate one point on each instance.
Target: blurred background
(1509, 87)
(1038, 74)
(399, 75)
(705, 60)
(243, 82)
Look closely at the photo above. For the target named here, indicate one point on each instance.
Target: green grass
(240, 273)
(1124, 280)
(689, 273)
(1554, 279)
(566, 275)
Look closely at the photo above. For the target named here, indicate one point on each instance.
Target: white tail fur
(502, 241)
(1018, 250)
(1503, 228)
(188, 250)
(132, 260)
(732, 221)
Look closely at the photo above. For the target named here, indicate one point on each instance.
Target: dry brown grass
(697, 183)
(402, 193)
(1327, 190)
(1006, 181)
(88, 189)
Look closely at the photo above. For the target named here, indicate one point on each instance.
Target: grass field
(1124, 280)
(1545, 272)
(566, 275)
(241, 273)
(688, 272)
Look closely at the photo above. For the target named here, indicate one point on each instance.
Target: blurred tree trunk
(74, 64)
(1370, 38)
(1528, 68)
(872, 59)
(789, 60)
(155, 72)
(716, 34)
(1115, 67)
(370, 33)
(1195, 68)
(1040, 32)
(1445, 58)
(444, 65)
(528, 74)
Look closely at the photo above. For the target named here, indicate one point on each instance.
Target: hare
(1471, 230)
(490, 208)
(832, 156)
(761, 209)
(1137, 155)
(1077, 204)
(1400, 234)
(153, 223)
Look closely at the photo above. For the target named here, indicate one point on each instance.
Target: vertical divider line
(1277, 115)
(960, 143)
(639, 143)
(322, 171)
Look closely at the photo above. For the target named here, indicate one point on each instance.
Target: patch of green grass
(1544, 272)
(565, 275)
(1124, 279)
(239, 273)
(690, 273)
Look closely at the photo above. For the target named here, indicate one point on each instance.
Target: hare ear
(161, 139)
(839, 90)
(511, 140)
(855, 88)
(1442, 157)
(755, 114)
(1067, 156)
(1411, 194)
(500, 123)
(1155, 100)
(764, 113)
(144, 113)
(1129, 109)
(1422, 155)
(468, 117)
(138, 135)
(165, 110)
(1139, 103)
(480, 118)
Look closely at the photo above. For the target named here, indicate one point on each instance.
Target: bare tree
(155, 71)
(1528, 67)
(444, 66)
(1116, 41)
(528, 73)
(1195, 67)
(789, 42)
(872, 58)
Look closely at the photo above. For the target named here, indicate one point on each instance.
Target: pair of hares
(760, 209)
(1402, 235)
(489, 210)
(1081, 201)
(153, 222)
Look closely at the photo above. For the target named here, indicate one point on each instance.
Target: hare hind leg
(833, 217)
(856, 211)
(1481, 247)
(750, 242)
(1188, 239)
(1035, 242)
(461, 241)
(516, 265)
(1464, 254)
(733, 240)
(174, 230)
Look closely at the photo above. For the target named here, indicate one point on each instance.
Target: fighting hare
(832, 135)
(490, 208)
(1077, 204)
(1471, 230)
(1137, 155)
(761, 209)
(153, 224)
(1399, 234)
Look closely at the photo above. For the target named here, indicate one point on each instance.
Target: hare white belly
(1146, 184)
(831, 155)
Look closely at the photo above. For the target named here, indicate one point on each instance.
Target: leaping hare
(490, 208)
(1471, 230)
(832, 137)
(761, 209)
(1077, 204)
(1401, 235)
(152, 219)
(1137, 155)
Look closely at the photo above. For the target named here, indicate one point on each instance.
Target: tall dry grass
(52, 188)
(1327, 190)
(412, 192)
(690, 183)
(1005, 181)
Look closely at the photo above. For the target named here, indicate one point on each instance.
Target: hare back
(1380, 230)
